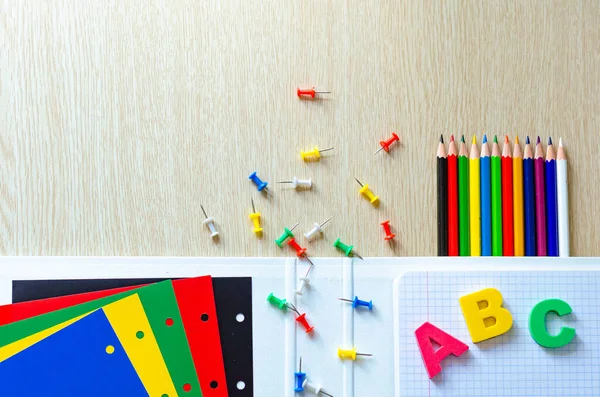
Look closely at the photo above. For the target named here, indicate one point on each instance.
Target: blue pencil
(529, 199)
(486, 203)
(551, 201)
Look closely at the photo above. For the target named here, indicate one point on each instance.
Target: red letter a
(448, 345)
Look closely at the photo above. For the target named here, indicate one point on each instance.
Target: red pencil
(508, 242)
(452, 198)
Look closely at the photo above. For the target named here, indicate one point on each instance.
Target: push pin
(388, 231)
(368, 193)
(303, 282)
(287, 233)
(300, 252)
(346, 249)
(301, 319)
(255, 216)
(210, 223)
(300, 183)
(357, 302)
(310, 92)
(315, 230)
(385, 145)
(350, 354)
(315, 389)
(299, 377)
(313, 155)
(260, 185)
(280, 303)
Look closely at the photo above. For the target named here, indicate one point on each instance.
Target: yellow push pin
(255, 216)
(313, 155)
(368, 193)
(350, 354)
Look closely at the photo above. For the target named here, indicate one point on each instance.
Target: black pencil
(442, 182)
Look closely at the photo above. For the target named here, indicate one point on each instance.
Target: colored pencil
(563, 201)
(463, 199)
(496, 197)
(486, 204)
(529, 199)
(551, 201)
(519, 228)
(508, 237)
(474, 200)
(540, 199)
(452, 198)
(442, 183)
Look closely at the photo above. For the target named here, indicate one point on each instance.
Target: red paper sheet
(196, 301)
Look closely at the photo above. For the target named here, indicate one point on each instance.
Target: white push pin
(304, 282)
(299, 183)
(317, 229)
(210, 222)
(316, 389)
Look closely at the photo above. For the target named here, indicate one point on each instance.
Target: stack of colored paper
(159, 339)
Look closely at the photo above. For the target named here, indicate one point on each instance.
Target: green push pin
(287, 233)
(281, 303)
(347, 249)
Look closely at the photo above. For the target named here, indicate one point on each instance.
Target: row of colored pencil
(505, 203)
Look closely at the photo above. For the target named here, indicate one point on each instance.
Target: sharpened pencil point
(560, 142)
(462, 139)
(505, 138)
(516, 140)
(474, 141)
(527, 141)
(495, 139)
(441, 139)
(451, 138)
(538, 141)
(549, 140)
(484, 139)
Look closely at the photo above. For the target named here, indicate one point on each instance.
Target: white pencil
(562, 189)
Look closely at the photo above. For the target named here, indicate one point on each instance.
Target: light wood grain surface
(119, 118)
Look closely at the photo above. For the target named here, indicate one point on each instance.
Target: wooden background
(119, 118)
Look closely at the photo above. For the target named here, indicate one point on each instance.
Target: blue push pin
(357, 302)
(260, 185)
(300, 378)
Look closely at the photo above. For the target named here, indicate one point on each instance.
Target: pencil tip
(441, 138)
(505, 138)
(451, 138)
(560, 141)
(484, 139)
(474, 141)
(462, 138)
(549, 140)
(516, 140)
(538, 141)
(495, 139)
(527, 141)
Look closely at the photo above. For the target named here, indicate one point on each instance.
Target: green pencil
(463, 200)
(496, 197)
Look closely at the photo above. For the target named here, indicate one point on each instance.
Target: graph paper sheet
(512, 364)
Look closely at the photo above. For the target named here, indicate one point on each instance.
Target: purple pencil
(540, 199)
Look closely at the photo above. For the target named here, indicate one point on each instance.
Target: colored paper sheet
(84, 359)
(129, 321)
(195, 298)
(160, 306)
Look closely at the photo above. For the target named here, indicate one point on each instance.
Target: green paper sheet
(161, 308)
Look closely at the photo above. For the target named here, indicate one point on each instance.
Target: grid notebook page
(509, 365)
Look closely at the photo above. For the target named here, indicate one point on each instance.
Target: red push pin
(311, 92)
(388, 231)
(299, 250)
(385, 145)
(302, 320)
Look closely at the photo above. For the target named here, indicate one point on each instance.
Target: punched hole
(240, 318)
(139, 334)
(241, 385)
(169, 322)
(214, 384)
(187, 387)
(204, 317)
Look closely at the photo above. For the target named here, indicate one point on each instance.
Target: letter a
(448, 345)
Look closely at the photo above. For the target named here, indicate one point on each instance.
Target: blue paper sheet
(84, 359)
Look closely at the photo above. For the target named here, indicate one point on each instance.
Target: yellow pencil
(474, 200)
(518, 199)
